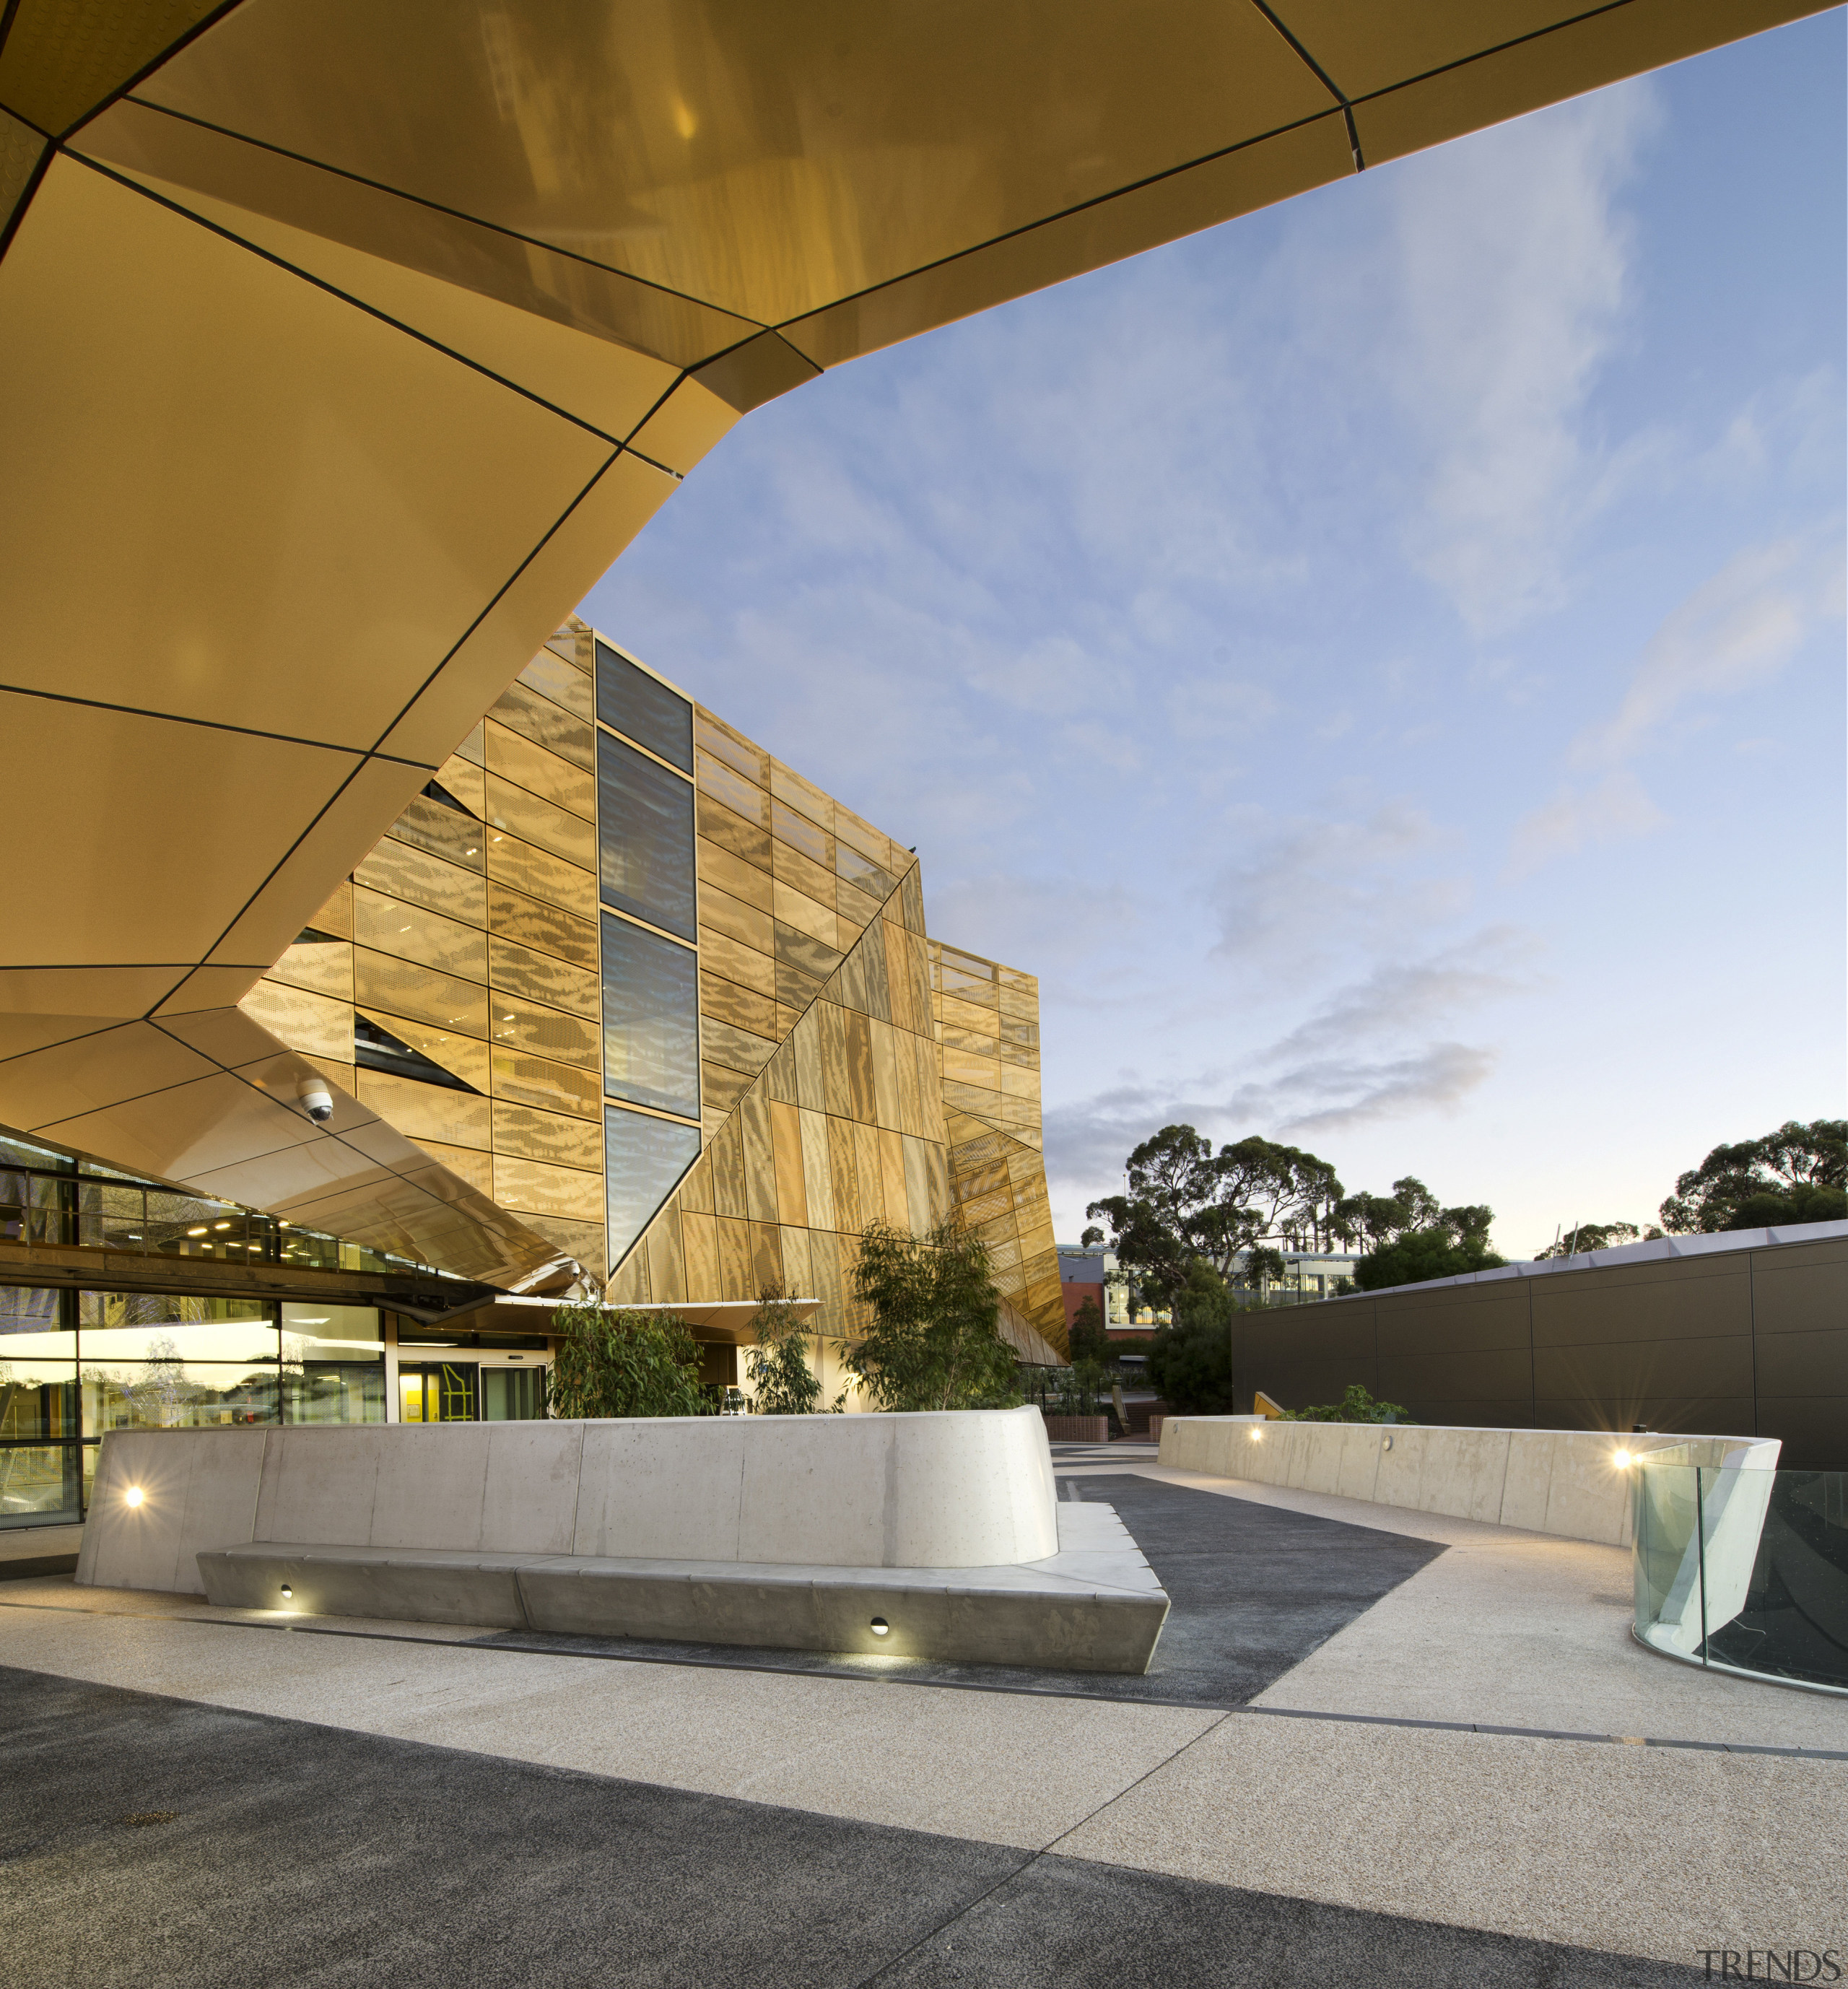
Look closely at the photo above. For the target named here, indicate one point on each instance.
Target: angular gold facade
(352, 342)
(470, 935)
(988, 1033)
(850, 1068)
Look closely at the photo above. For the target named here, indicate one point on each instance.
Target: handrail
(1744, 1571)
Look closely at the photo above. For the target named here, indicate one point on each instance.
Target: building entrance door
(443, 1392)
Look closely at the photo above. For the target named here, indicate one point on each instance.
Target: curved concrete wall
(962, 1489)
(1562, 1481)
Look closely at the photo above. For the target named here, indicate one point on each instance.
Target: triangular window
(375, 1048)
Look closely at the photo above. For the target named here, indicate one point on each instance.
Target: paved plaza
(1376, 1746)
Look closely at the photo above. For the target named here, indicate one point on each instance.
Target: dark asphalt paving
(149, 1843)
(1254, 1590)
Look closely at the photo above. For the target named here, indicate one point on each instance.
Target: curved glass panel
(643, 708)
(1744, 1571)
(645, 832)
(643, 1160)
(650, 1019)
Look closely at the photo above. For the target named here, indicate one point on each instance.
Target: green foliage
(1087, 1337)
(1089, 1344)
(785, 1384)
(1439, 1252)
(612, 1362)
(934, 1343)
(1586, 1236)
(1356, 1406)
(1190, 1361)
(1187, 1202)
(1263, 1266)
(1798, 1173)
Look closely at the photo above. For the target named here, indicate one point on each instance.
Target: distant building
(1311, 1275)
(1089, 1271)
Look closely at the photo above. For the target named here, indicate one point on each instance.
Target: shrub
(1356, 1406)
(1190, 1361)
(778, 1364)
(1421, 1254)
(613, 1363)
(934, 1343)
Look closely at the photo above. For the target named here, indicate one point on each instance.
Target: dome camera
(317, 1100)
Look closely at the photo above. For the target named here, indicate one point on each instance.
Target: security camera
(317, 1100)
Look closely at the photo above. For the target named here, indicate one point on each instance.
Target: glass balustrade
(1744, 1571)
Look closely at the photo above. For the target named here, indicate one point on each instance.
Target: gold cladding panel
(426, 1111)
(547, 1032)
(512, 916)
(440, 831)
(545, 1136)
(537, 1080)
(517, 812)
(552, 982)
(323, 967)
(534, 716)
(343, 437)
(761, 169)
(103, 777)
(549, 1191)
(317, 1024)
(515, 758)
(420, 878)
(532, 873)
(400, 988)
(559, 678)
(388, 925)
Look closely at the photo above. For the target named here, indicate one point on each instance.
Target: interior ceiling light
(199, 1231)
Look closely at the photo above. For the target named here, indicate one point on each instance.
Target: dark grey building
(1743, 1334)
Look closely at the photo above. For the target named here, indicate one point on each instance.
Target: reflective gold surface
(346, 345)
(764, 160)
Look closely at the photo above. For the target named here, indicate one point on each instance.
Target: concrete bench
(1095, 1605)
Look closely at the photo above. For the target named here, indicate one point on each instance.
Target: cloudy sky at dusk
(1379, 663)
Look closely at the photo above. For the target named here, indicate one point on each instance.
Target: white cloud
(1513, 284)
(1317, 889)
(1401, 998)
(1737, 630)
(1732, 634)
(1580, 816)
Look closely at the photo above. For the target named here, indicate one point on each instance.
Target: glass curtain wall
(651, 962)
(75, 1365)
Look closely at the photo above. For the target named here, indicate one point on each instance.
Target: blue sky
(1379, 663)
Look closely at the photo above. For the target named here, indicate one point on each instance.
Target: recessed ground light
(133, 1496)
(287, 1592)
(880, 1627)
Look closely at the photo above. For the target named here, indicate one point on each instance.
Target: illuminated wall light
(132, 1497)
(880, 1627)
(287, 1592)
(1621, 1459)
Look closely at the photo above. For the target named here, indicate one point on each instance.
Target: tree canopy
(1798, 1174)
(1253, 1198)
(933, 1342)
(1190, 1360)
(777, 1366)
(1185, 1202)
(1443, 1250)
